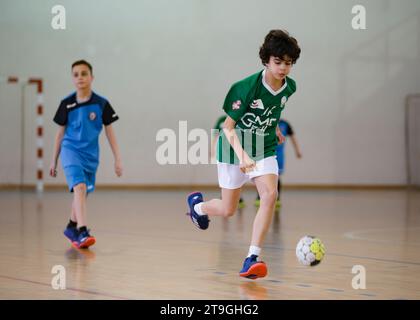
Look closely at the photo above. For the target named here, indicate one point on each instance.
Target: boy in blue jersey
(283, 129)
(80, 117)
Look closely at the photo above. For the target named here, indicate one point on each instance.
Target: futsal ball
(310, 251)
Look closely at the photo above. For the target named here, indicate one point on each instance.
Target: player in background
(283, 129)
(80, 117)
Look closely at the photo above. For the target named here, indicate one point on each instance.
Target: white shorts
(231, 176)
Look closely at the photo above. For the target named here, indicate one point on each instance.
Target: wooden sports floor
(147, 248)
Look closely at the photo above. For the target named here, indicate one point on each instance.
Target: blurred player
(285, 129)
(81, 117)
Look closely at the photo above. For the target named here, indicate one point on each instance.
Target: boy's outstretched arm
(296, 146)
(109, 131)
(56, 151)
(246, 163)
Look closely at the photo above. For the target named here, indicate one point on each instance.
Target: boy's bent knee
(228, 212)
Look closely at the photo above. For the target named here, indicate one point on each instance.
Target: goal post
(39, 134)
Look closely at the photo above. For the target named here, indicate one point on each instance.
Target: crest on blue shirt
(92, 116)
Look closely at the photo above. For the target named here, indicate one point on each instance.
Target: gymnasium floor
(147, 248)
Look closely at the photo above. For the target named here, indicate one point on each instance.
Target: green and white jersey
(256, 108)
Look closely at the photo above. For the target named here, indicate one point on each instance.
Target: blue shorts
(280, 158)
(76, 175)
(280, 164)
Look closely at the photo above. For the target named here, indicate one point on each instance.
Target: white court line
(357, 235)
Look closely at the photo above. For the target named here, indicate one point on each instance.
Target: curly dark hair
(279, 43)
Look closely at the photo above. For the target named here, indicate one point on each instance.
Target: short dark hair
(79, 62)
(279, 43)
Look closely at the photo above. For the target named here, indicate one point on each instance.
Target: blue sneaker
(253, 269)
(71, 233)
(84, 240)
(201, 222)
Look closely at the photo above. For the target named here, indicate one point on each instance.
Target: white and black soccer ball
(310, 251)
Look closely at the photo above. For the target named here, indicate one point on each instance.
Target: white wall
(160, 62)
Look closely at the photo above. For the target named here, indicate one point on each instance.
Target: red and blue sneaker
(71, 233)
(253, 269)
(84, 240)
(201, 221)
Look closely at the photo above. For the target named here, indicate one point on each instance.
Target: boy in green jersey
(247, 144)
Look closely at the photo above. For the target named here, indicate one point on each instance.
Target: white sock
(254, 250)
(197, 209)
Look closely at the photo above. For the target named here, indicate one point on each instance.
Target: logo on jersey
(283, 101)
(236, 105)
(259, 124)
(69, 106)
(257, 104)
(92, 116)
